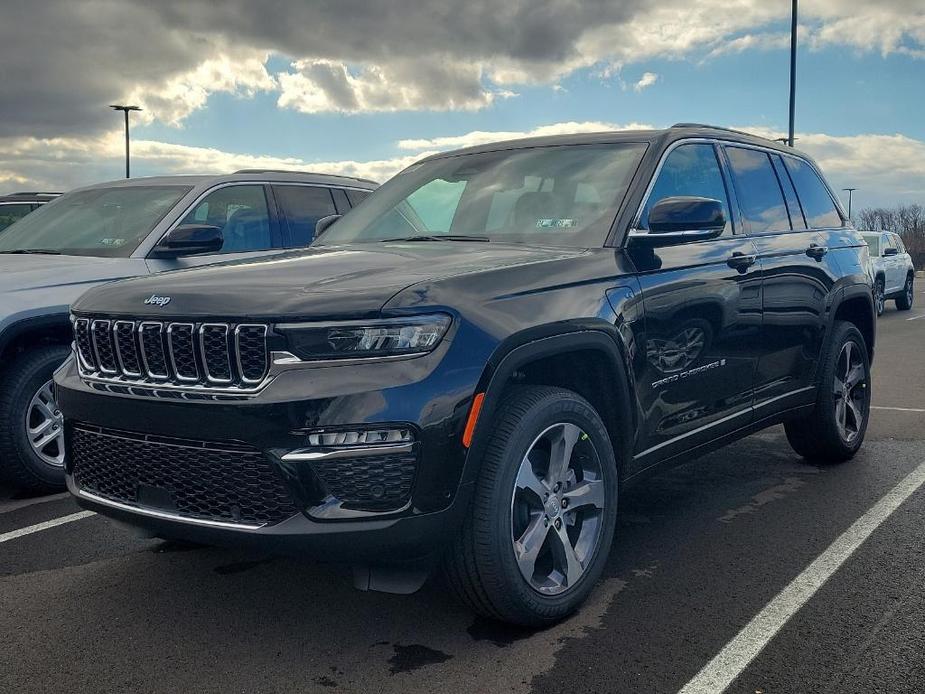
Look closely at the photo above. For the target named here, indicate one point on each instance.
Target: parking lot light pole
(793, 67)
(125, 109)
(850, 191)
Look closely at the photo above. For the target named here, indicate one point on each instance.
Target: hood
(24, 273)
(330, 282)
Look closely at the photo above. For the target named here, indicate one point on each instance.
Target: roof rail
(33, 192)
(717, 127)
(308, 173)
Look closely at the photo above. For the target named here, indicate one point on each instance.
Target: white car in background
(892, 269)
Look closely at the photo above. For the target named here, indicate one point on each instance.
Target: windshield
(561, 195)
(873, 242)
(107, 222)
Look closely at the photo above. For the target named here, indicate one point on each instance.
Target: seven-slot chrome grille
(216, 356)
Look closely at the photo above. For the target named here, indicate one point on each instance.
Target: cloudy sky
(364, 87)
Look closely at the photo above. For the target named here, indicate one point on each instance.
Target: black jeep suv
(469, 366)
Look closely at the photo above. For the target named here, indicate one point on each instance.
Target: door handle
(741, 261)
(816, 252)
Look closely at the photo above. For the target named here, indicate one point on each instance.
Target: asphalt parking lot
(701, 552)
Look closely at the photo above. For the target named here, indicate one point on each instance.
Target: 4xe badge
(155, 300)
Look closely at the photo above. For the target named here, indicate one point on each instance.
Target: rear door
(702, 303)
(797, 278)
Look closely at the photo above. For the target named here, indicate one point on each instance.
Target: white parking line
(13, 534)
(732, 660)
(916, 317)
(896, 409)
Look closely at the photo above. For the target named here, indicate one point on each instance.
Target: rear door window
(797, 220)
(758, 190)
(357, 196)
(818, 205)
(302, 207)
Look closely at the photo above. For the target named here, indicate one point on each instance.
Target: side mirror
(887, 252)
(189, 239)
(681, 219)
(325, 223)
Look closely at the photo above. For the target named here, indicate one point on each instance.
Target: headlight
(361, 339)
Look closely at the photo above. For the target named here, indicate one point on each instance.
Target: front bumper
(280, 420)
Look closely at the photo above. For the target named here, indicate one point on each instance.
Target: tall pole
(793, 67)
(850, 191)
(125, 109)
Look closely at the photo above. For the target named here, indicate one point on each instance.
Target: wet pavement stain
(175, 546)
(325, 681)
(500, 634)
(414, 656)
(240, 566)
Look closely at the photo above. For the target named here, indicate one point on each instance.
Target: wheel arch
(856, 305)
(602, 378)
(52, 329)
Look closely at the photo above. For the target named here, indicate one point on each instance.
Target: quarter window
(303, 206)
(760, 197)
(818, 206)
(241, 213)
(689, 170)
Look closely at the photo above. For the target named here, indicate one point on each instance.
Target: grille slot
(182, 351)
(222, 357)
(103, 347)
(84, 343)
(123, 332)
(192, 479)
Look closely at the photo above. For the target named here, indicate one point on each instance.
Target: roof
(243, 175)
(28, 197)
(676, 132)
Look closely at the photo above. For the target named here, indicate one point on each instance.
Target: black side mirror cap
(325, 223)
(682, 219)
(890, 251)
(189, 239)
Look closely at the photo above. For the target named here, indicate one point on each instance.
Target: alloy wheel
(850, 390)
(45, 426)
(909, 291)
(881, 299)
(557, 509)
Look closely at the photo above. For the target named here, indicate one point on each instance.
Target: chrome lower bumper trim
(311, 454)
(153, 513)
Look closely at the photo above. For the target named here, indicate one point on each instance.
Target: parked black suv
(470, 365)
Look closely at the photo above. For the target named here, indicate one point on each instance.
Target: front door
(702, 303)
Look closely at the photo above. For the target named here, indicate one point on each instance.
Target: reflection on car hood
(22, 273)
(320, 283)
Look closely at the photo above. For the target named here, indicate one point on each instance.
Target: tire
(879, 296)
(481, 566)
(821, 437)
(905, 299)
(22, 380)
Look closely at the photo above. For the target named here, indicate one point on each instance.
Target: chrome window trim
(202, 353)
(96, 349)
(118, 350)
(141, 346)
(247, 182)
(173, 361)
(237, 351)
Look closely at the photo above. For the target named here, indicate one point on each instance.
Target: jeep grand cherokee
(470, 366)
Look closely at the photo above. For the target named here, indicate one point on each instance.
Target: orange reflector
(473, 418)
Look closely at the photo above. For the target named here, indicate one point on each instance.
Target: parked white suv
(891, 268)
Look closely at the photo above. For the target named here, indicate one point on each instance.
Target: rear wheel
(542, 520)
(880, 296)
(904, 300)
(31, 426)
(835, 430)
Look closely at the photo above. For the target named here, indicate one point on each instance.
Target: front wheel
(904, 300)
(540, 526)
(31, 426)
(835, 430)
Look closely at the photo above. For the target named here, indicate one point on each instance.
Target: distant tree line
(906, 220)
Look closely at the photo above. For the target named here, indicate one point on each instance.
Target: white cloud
(480, 137)
(647, 80)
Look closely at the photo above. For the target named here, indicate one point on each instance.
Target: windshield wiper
(439, 237)
(33, 251)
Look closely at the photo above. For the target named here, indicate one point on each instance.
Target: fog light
(365, 437)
